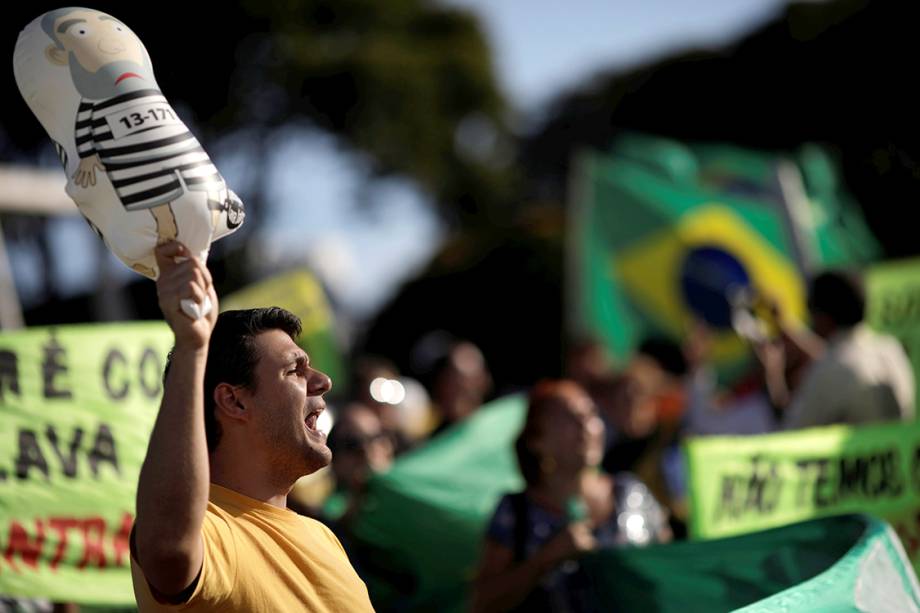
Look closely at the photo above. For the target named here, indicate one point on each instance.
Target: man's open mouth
(310, 421)
(127, 75)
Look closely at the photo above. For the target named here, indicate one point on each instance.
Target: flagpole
(796, 211)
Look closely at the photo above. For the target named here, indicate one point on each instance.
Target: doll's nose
(110, 46)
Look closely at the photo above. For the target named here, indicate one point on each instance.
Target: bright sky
(545, 46)
(541, 48)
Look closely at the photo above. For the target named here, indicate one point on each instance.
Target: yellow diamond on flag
(650, 271)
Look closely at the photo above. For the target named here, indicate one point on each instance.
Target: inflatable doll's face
(104, 56)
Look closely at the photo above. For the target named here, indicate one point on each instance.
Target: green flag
(843, 563)
(422, 525)
(425, 518)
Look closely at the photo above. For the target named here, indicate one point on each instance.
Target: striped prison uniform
(145, 165)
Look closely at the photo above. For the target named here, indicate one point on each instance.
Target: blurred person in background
(587, 361)
(647, 414)
(660, 366)
(360, 447)
(568, 507)
(460, 382)
(370, 376)
(630, 418)
(856, 376)
(742, 409)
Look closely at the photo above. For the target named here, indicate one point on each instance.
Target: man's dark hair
(838, 295)
(232, 355)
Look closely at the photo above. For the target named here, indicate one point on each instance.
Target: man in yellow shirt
(235, 430)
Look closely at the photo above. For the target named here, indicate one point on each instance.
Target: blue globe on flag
(709, 277)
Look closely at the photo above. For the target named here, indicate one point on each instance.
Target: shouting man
(236, 429)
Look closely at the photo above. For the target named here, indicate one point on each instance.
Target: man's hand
(86, 171)
(186, 278)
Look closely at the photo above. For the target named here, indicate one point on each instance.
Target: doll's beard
(100, 85)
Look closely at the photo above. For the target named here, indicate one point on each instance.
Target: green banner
(893, 305)
(744, 484)
(77, 404)
(841, 563)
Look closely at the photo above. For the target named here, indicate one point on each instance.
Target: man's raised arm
(172, 493)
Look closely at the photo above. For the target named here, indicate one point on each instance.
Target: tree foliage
(398, 80)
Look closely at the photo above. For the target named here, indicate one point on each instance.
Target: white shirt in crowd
(863, 377)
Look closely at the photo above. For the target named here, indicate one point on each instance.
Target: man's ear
(56, 55)
(227, 401)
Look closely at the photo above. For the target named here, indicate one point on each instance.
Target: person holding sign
(235, 430)
(857, 375)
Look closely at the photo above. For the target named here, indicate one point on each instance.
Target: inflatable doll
(135, 171)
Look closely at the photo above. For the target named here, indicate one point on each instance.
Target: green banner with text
(742, 484)
(893, 305)
(77, 404)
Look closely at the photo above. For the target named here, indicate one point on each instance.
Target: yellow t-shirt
(258, 557)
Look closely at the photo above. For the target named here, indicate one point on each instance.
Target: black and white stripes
(61, 153)
(150, 159)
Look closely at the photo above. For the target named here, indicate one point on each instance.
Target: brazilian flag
(663, 234)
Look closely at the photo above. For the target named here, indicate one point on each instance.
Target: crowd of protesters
(599, 449)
